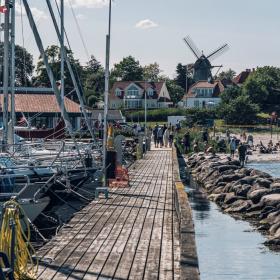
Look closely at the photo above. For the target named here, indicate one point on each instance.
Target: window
(118, 92)
(196, 103)
(132, 92)
(150, 92)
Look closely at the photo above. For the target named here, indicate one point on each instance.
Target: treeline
(259, 94)
(90, 76)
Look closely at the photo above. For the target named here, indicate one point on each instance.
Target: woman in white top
(166, 137)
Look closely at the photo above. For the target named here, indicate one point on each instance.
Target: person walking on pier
(187, 142)
(160, 136)
(242, 150)
(166, 137)
(232, 147)
(155, 132)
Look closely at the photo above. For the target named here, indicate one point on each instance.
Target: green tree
(151, 72)
(230, 94)
(263, 87)
(54, 59)
(176, 92)
(240, 110)
(128, 69)
(23, 66)
(181, 76)
(93, 81)
(227, 75)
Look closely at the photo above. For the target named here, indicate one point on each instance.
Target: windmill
(202, 67)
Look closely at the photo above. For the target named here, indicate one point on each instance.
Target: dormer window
(150, 92)
(118, 92)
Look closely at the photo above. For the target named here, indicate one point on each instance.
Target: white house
(203, 94)
(131, 95)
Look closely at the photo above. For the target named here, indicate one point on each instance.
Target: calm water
(228, 248)
(273, 168)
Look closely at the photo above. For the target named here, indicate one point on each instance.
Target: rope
(25, 268)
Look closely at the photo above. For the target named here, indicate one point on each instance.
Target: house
(113, 115)
(41, 109)
(242, 77)
(203, 94)
(131, 95)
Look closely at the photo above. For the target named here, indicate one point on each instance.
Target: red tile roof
(242, 77)
(41, 103)
(216, 85)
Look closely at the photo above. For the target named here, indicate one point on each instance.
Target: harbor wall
(189, 260)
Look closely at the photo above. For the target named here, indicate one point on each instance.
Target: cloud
(88, 3)
(37, 14)
(146, 24)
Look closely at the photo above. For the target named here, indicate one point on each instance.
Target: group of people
(163, 136)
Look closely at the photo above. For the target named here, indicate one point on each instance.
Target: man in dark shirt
(242, 150)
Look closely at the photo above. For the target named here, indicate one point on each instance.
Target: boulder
(260, 173)
(217, 198)
(263, 183)
(271, 199)
(273, 229)
(275, 185)
(256, 195)
(241, 190)
(223, 168)
(231, 197)
(239, 206)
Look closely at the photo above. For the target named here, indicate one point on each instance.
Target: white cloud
(37, 14)
(146, 24)
(88, 3)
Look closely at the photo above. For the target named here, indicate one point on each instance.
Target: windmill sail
(218, 52)
(195, 50)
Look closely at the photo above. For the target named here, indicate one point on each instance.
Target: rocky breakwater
(243, 192)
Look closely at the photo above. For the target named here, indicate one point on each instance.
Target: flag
(3, 9)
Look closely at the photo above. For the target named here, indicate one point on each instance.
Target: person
(232, 147)
(178, 126)
(166, 137)
(242, 150)
(171, 137)
(205, 136)
(187, 142)
(155, 132)
(160, 136)
(228, 135)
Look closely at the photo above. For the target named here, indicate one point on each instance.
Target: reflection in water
(227, 248)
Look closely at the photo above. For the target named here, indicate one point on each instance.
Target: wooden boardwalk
(132, 235)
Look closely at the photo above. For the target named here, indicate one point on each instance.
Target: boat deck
(132, 235)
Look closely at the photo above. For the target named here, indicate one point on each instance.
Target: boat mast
(106, 92)
(61, 50)
(48, 68)
(6, 74)
(13, 113)
(69, 66)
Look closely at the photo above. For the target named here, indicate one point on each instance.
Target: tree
(54, 59)
(241, 110)
(93, 81)
(227, 75)
(176, 92)
(263, 87)
(128, 69)
(23, 66)
(180, 79)
(230, 94)
(151, 72)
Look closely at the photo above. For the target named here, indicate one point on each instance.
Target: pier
(144, 231)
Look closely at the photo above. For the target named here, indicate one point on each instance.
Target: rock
(271, 199)
(239, 206)
(231, 177)
(248, 180)
(275, 185)
(231, 197)
(260, 173)
(223, 168)
(241, 190)
(273, 229)
(217, 198)
(256, 195)
(263, 183)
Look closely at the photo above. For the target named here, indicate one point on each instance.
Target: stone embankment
(244, 192)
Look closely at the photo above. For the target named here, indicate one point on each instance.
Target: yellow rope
(25, 268)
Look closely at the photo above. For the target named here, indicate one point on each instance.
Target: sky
(153, 30)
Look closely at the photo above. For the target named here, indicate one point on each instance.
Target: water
(227, 248)
(273, 168)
